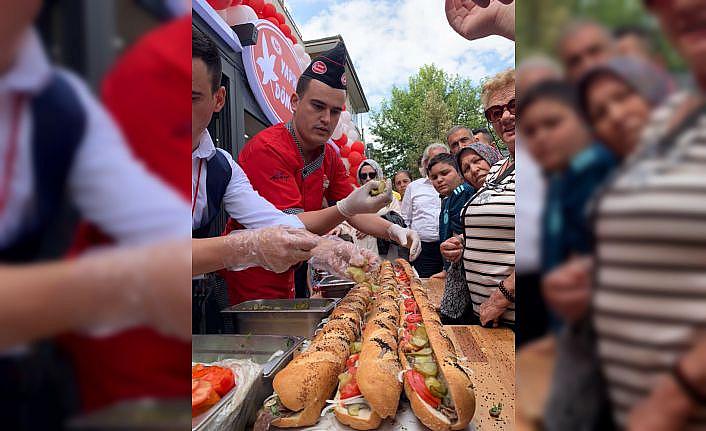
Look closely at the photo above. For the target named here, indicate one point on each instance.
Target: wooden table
(491, 353)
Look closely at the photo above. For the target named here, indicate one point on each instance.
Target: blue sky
(389, 40)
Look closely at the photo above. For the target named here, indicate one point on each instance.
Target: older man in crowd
(583, 45)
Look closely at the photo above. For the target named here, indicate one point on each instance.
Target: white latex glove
(273, 248)
(334, 255)
(360, 201)
(406, 238)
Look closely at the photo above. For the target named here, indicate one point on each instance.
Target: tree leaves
(413, 117)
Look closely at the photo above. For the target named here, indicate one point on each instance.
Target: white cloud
(390, 40)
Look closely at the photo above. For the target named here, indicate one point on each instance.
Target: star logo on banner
(267, 64)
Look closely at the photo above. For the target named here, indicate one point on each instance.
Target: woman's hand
(492, 309)
(665, 409)
(567, 288)
(452, 249)
(440, 275)
(474, 19)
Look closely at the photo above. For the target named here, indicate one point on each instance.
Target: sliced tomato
(412, 327)
(198, 370)
(350, 363)
(203, 396)
(413, 318)
(416, 380)
(350, 390)
(221, 378)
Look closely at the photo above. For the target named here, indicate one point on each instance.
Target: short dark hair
(443, 158)
(404, 172)
(485, 133)
(303, 85)
(558, 91)
(203, 48)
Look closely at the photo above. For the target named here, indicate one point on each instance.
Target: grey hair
(425, 154)
(571, 28)
(539, 61)
(455, 129)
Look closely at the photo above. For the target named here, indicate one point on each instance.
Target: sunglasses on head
(495, 112)
(371, 175)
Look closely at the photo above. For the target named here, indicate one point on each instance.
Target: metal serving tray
(280, 316)
(258, 348)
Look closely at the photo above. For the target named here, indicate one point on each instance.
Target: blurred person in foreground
(491, 240)
(532, 315)
(575, 165)
(400, 181)
(474, 163)
(420, 210)
(617, 99)
(582, 45)
(650, 274)
(60, 147)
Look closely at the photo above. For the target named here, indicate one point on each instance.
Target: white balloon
(240, 14)
(353, 134)
(345, 117)
(338, 131)
(299, 50)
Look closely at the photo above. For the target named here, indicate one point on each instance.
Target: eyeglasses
(371, 175)
(495, 113)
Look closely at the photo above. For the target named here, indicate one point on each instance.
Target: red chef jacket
(275, 166)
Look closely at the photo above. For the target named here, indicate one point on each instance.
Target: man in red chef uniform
(291, 165)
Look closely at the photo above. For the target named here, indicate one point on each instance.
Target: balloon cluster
(351, 148)
(235, 12)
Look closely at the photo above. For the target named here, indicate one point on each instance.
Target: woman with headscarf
(617, 99)
(474, 162)
(488, 247)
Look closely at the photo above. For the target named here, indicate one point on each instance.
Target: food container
(273, 352)
(146, 414)
(280, 316)
(333, 287)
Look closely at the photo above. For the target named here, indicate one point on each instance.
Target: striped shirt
(489, 238)
(650, 300)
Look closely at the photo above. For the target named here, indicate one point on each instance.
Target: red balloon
(355, 158)
(273, 21)
(236, 2)
(293, 39)
(285, 30)
(280, 18)
(269, 10)
(353, 171)
(341, 142)
(345, 151)
(358, 147)
(257, 5)
(219, 4)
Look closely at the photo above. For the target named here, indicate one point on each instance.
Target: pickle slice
(423, 352)
(435, 387)
(429, 369)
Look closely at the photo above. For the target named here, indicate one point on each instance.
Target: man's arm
(371, 224)
(322, 221)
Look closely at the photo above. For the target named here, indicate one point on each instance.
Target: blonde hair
(500, 81)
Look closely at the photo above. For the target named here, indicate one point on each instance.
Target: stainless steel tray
(280, 316)
(258, 348)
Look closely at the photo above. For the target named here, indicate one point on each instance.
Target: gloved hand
(334, 255)
(360, 201)
(406, 238)
(139, 285)
(273, 248)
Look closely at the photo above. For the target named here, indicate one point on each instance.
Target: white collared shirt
(240, 201)
(109, 187)
(421, 207)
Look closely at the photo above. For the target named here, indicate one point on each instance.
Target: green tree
(422, 113)
(540, 22)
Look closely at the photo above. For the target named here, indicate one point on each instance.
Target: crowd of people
(610, 224)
